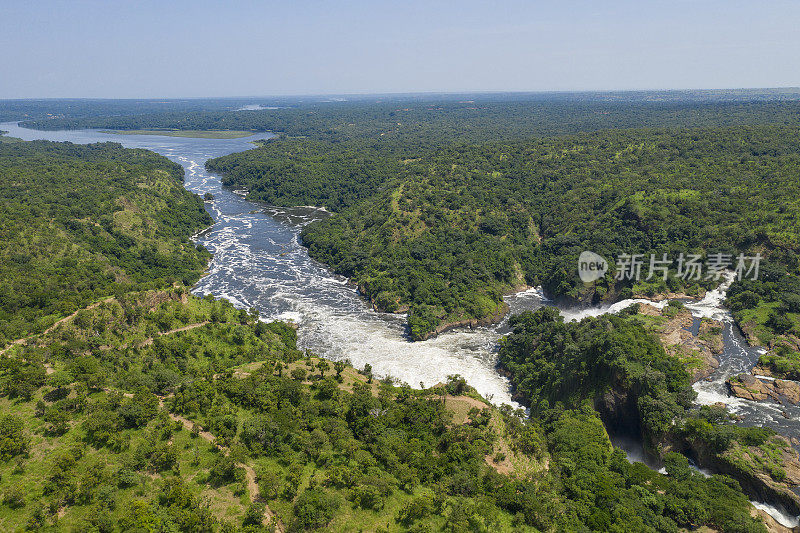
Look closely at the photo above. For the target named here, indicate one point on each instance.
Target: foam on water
(259, 262)
(572, 314)
(780, 515)
(711, 304)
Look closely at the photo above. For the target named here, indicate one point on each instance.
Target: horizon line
(794, 88)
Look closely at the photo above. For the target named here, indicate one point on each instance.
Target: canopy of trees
(447, 234)
(145, 423)
(81, 222)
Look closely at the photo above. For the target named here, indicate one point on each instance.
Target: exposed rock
(618, 411)
(772, 525)
(672, 296)
(748, 387)
(788, 389)
(711, 333)
(748, 329)
(760, 370)
(753, 388)
(649, 310)
(697, 351)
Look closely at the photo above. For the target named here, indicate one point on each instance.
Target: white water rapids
(259, 262)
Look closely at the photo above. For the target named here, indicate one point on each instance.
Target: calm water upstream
(258, 262)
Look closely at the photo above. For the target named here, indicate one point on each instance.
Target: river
(259, 262)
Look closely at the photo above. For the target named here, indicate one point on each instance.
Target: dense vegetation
(446, 202)
(556, 363)
(83, 222)
(159, 410)
(291, 172)
(91, 456)
(451, 232)
(156, 410)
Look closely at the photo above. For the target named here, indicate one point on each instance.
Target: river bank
(258, 262)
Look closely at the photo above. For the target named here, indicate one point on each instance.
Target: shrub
(12, 437)
(314, 508)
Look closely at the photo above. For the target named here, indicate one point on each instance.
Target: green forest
(160, 411)
(128, 404)
(83, 222)
(447, 234)
(146, 408)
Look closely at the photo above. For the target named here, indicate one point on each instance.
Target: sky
(177, 48)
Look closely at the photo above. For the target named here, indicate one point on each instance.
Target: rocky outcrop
(619, 412)
(469, 322)
(758, 389)
(698, 352)
(672, 296)
(763, 371)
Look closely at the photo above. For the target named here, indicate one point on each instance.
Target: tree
(323, 367)
(12, 437)
(140, 409)
(314, 508)
(254, 515)
(339, 367)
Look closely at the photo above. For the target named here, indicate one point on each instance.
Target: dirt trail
(55, 325)
(250, 474)
(60, 321)
(149, 341)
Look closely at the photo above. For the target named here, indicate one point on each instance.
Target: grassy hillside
(81, 222)
(160, 410)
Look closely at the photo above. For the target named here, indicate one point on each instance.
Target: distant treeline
(405, 125)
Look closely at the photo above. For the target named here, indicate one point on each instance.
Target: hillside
(81, 222)
(454, 231)
(163, 410)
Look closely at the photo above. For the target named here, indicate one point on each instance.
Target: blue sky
(239, 48)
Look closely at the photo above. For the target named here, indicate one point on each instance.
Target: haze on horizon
(150, 49)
